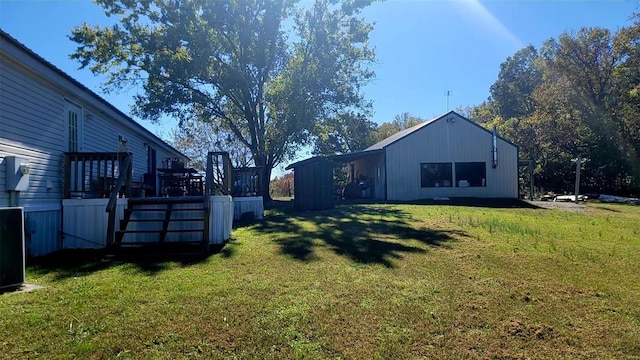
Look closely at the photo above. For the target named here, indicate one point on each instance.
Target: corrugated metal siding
(44, 227)
(85, 222)
(252, 204)
(313, 186)
(444, 141)
(220, 219)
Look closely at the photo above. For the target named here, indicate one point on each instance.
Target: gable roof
(406, 132)
(5, 36)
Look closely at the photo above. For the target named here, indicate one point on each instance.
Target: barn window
(435, 175)
(471, 174)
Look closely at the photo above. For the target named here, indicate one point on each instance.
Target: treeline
(577, 94)
(354, 132)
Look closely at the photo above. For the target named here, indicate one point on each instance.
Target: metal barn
(448, 156)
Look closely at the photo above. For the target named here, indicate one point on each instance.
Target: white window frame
(79, 126)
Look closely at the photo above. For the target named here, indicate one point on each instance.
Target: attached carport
(367, 166)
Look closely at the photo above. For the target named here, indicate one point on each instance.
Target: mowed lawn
(358, 282)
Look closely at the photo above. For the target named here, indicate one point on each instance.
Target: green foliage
(344, 133)
(264, 71)
(196, 138)
(578, 94)
(519, 76)
(399, 123)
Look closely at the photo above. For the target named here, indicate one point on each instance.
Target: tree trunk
(265, 181)
(265, 175)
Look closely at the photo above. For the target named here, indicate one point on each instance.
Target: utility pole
(579, 161)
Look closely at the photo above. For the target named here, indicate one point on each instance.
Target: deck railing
(93, 175)
(124, 179)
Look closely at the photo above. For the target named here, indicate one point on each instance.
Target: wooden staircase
(177, 224)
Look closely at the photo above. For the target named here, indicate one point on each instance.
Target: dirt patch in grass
(560, 205)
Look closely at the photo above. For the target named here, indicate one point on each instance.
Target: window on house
(435, 175)
(72, 120)
(471, 174)
(73, 130)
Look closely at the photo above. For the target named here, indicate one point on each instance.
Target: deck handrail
(90, 174)
(123, 176)
(207, 195)
(208, 180)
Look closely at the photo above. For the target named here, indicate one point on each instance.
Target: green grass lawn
(360, 281)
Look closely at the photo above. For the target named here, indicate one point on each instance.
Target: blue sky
(425, 48)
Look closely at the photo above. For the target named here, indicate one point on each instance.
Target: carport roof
(356, 155)
(335, 159)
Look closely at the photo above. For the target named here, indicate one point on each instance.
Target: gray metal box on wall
(17, 172)
(11, 247)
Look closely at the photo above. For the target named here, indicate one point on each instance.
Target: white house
(45, 114)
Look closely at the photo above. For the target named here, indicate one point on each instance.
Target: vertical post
(128, 182)
(67, 176)
(531, 185)
(578, 166)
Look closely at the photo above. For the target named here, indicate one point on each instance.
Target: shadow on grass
(364, 234)
(81, 262)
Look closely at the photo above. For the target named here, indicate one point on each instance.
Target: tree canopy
(578, 94)
(264, 71)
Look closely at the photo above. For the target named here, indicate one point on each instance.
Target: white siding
(444, 141)
(250, 204)
(30, 128)
(33, 126)
(85, 223)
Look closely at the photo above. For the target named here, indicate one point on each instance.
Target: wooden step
(161, 220)
(124, 223)
(166, 200)
(157, 231)
(162, 210)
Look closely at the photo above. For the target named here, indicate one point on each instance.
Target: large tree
(197, 138)
(519, 76)
(399, 123)
(265, 71)
(344, 133)
(578, 94)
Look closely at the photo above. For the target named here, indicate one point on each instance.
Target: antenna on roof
(448, 95)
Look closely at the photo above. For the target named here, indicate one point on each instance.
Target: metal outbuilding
(447, 156)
